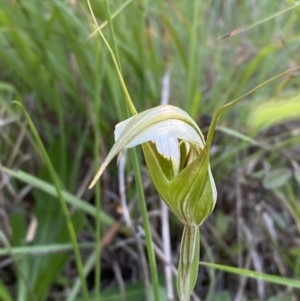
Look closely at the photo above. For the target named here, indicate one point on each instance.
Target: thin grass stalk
(97, 134)
(62, 136)
(122, 83)
(89, 265)
(211, 273)
(136, 166)
(289, 282)
(24, 281)
(146, 224)
(141, 50)
(295, 206)
(112, 33)
(41, 249)
(62, 201)
(113, 15)
(193, 95)
(115, 50)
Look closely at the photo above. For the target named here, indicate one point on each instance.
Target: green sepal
(189, 195)
(154, 163)
(191, 192)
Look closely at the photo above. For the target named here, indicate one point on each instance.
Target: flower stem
(188, 262)
(146, 224)
(130, 104)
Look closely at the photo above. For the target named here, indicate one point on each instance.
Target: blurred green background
(69, 86)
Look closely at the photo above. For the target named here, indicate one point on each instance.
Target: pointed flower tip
(92, 184)
(97, 176)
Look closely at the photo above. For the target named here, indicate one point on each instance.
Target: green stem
(188, 265)
(97, 134)
(123, 86)
(112, 31)
(113, 15)
(193, 93)
(62, 135)
(62, 201)
(115, 51)
(139, 185)
(97, 161)
(146, 224)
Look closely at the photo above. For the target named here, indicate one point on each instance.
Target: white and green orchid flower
(178, 163)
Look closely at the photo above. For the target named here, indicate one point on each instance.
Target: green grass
(69, 86)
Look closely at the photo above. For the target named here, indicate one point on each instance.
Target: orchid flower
(178, 163)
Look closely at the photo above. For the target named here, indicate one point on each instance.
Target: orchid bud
(176, 157)
(178, 163)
